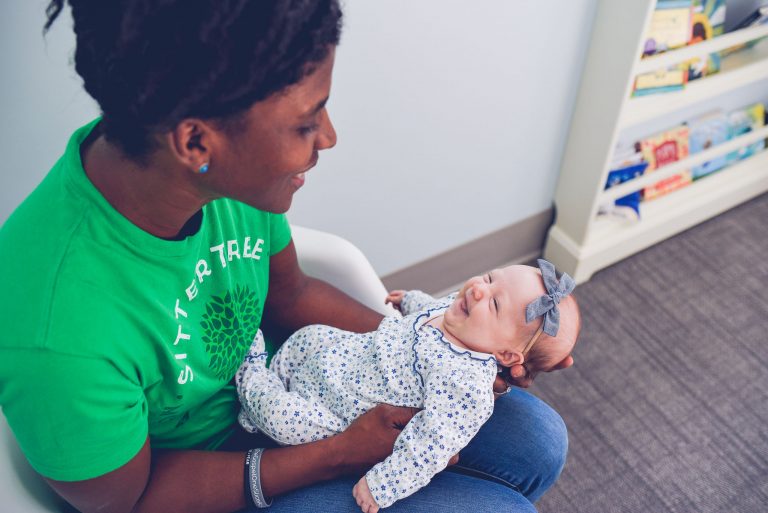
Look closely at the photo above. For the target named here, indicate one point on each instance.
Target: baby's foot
(364, 497)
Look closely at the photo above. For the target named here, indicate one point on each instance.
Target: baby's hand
(364, 498)
(395, 298)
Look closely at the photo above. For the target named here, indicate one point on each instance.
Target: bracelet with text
(253, 493)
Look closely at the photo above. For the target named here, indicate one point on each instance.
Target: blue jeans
(517, 455)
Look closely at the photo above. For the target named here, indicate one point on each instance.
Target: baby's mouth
(463, 305)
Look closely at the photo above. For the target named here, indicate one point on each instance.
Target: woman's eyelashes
(311, 124)
(307, 130)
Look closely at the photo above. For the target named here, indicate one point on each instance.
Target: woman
(150, 252)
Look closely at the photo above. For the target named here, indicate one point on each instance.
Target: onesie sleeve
(414, 301)
(458, 402)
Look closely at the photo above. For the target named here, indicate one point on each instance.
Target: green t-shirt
(110, 334)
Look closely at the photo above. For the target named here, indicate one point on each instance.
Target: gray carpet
(667, 405)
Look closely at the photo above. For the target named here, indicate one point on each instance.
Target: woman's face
(266, 164)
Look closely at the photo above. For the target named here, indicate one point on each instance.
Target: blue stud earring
(203, 168)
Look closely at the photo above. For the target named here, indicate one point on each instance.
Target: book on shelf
(674, 24)
(663, 149)
(757, 17)
(626, 207)
(707, 21)
(670, 26)
(742, 121)
(660, 81)
(626, 164)
(704, 132)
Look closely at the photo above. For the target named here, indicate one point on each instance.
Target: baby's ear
(509, 358)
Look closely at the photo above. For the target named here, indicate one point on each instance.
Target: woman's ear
(192, 142)
(509, 358)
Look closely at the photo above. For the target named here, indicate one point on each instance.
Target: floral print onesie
(323, 378)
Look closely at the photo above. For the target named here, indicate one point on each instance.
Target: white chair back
(22, 490)
(339, 262)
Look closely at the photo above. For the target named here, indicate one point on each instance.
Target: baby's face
(489, 309)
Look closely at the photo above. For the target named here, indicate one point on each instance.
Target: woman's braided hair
(151, 63)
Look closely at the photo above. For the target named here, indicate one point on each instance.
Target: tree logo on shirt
(229, 324)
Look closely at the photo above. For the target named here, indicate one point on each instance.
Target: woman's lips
(298, 180)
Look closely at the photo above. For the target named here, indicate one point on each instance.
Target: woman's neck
(156, 198)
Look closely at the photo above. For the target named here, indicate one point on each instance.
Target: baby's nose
(478, 289)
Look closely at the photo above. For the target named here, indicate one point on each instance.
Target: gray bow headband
(546, 305)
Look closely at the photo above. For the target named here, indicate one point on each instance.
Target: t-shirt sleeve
(74, 417)
(279, 233)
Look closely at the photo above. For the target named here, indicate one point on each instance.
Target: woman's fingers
(371, 437)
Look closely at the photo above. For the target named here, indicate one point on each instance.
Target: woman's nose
(326, 137)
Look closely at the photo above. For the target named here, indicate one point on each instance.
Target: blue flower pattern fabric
(323, 378)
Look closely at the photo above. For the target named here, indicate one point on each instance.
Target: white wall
(41, 99)
(452, 117)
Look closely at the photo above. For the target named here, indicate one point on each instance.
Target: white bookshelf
(580, 242)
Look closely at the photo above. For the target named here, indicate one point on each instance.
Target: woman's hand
(395, 298)
(371, 437)
(522, 377)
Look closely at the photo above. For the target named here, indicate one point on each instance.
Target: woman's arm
(296, 300)
(212, 482)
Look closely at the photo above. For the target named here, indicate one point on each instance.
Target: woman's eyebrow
(317, 108)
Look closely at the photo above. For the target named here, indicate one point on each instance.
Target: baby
(442, 356)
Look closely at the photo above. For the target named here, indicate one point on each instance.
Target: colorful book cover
(660, 81)
(670, 26)
(742, 121)
(705, 132)
(707, 21)
(661, 150)
(625, 173)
